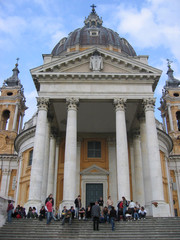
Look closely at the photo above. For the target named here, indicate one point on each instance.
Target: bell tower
(170, 112)
(12, 109)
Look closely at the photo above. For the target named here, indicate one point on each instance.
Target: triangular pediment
(80, 63)
(94, 170)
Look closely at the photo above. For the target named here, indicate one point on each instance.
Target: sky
(30, 28)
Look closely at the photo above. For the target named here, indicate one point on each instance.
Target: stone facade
(95, 126)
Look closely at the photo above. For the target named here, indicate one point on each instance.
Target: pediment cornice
(129, 68)
(94, 170)
(114, 57)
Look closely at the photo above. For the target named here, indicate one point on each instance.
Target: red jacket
(49, 206)
(10, 207)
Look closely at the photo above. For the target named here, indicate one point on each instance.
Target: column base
(33, 203)
(67, 203)
(158, 209)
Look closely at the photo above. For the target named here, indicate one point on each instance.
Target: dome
(93, 33)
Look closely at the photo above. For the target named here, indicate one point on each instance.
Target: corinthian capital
(120, 104)
(149, 104)
(43, 103)
(136, 133)
(72, 103)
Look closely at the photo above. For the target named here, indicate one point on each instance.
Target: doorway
(93, 192)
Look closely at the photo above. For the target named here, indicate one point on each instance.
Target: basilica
(94, 133)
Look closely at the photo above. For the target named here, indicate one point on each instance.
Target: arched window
(178, 119)
(5, 119)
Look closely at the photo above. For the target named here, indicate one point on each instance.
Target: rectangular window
(30, 157)
(94, 149)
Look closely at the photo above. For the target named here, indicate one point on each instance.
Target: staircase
(150, 228)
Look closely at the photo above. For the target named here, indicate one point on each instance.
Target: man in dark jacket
(95, 213)
(112, 217)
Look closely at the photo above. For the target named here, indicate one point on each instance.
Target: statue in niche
(96, 62)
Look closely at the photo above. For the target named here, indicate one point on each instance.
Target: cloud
(155, 25)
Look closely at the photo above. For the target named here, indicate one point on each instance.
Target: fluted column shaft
(122, 150)
(38, 152)
(69, 188)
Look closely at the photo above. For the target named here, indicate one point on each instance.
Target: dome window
(176, 94)
(9, 93)
(94, 33)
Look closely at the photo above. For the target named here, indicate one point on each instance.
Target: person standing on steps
(112, 217)
(125, 205)
(95, 213)
(49, 210)
(77, 203)
(47, 199)
(9, 211)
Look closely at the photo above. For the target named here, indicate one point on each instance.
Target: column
(18, 178)
(21, 122)
(164, 123)
(177, 175)
(78, 166)
(50, 182)
(46, 163)
(122, 150)
(38, 154)
(132, 169)
(69, 188)
(56, 168)
(145, 163)
(15, 117)
(170, 117)
(170, 183)
(154, 161)
(138, 169)
(112, 169)
(4, 182)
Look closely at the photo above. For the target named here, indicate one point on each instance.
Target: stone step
(150, 228)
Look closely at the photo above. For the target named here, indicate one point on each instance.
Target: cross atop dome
(93, 8)
(93, 19)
